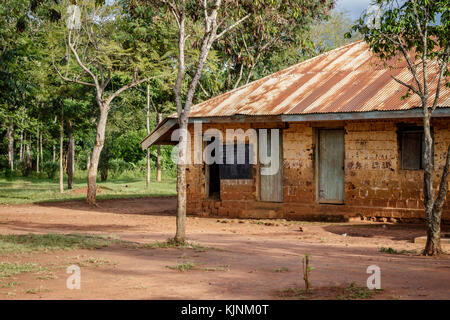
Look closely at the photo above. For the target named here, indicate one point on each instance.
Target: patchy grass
(19, 244)
(186, 266)
(393, 251)
(354, 292)
(8, 269)
(11, 284)
(225, 267)
(48, 276)
(282, 269)
(139, 286)
(97, 262)
(171, 243)
(38, 189)
(298, 293)
(349, 292)
(36, 290)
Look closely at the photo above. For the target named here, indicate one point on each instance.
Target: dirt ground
(249, 259)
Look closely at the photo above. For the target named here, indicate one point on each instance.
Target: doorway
(331, 166)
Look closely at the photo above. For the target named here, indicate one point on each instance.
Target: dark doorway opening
(214, 177)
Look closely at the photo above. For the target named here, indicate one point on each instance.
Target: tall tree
(204, 23)
(276, 35)
(186, 13)
(100, 55)
(418, 31)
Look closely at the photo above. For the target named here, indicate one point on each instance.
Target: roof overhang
(163, 132)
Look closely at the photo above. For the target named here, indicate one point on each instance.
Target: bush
(51, 168)
(118, 166)
(8, 173)
(24, 169)
(4, 163)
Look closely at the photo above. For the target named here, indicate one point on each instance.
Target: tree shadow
(160, 206)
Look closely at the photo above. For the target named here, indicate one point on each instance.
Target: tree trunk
(61, 169)
(21, 143)
(10, 134)
(433, 245)
(38, 154)
(97, 150)
(158, 158)
(70, 157)
(28, 153)
(147, 181)
(40, 147)
(180, 235)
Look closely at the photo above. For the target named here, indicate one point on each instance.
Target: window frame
(402, 130)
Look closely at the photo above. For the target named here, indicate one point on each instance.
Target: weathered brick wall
(375, 184)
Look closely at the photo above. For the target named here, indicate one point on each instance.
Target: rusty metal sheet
(346, 79)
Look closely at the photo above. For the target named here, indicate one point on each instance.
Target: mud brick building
(351, 146)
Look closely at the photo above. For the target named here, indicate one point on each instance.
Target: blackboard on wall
(235, 170)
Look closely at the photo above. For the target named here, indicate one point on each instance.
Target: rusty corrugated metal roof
(346, 79)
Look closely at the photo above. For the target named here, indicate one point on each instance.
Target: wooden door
(271, 186)
(331, 166)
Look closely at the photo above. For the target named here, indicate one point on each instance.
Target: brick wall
(375, 185)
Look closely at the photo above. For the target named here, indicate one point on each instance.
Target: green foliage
(127, 146)
(419, 27)
(24, 169)
(51, 168)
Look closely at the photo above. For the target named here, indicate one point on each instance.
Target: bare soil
(249, 259)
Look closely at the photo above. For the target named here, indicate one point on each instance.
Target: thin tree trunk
(99, 142)
(21, 143)
(37, 150)
(180, 235)
(158, 157)
(433, 244)
(147, 181)
(28, 152)
(70, 157)
(61, 155)
(40, 147)
(10, 134)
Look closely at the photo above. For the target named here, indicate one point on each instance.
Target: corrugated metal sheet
(347, 79)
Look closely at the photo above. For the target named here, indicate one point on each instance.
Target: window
(235, 170)
(412, 146)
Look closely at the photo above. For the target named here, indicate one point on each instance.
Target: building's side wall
(375, 185)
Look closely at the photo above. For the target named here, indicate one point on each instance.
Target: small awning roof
(162, 134)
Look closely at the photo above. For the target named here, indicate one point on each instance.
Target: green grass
(393, 251)
(189, 265)
(8, 269)
(19, 244)
(31, 189)
(11, 284)
(354, 292)
(171, 243)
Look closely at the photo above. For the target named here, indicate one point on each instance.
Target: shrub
(24, 169)
(51, 168)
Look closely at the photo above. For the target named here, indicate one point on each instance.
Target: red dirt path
(251, 250)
